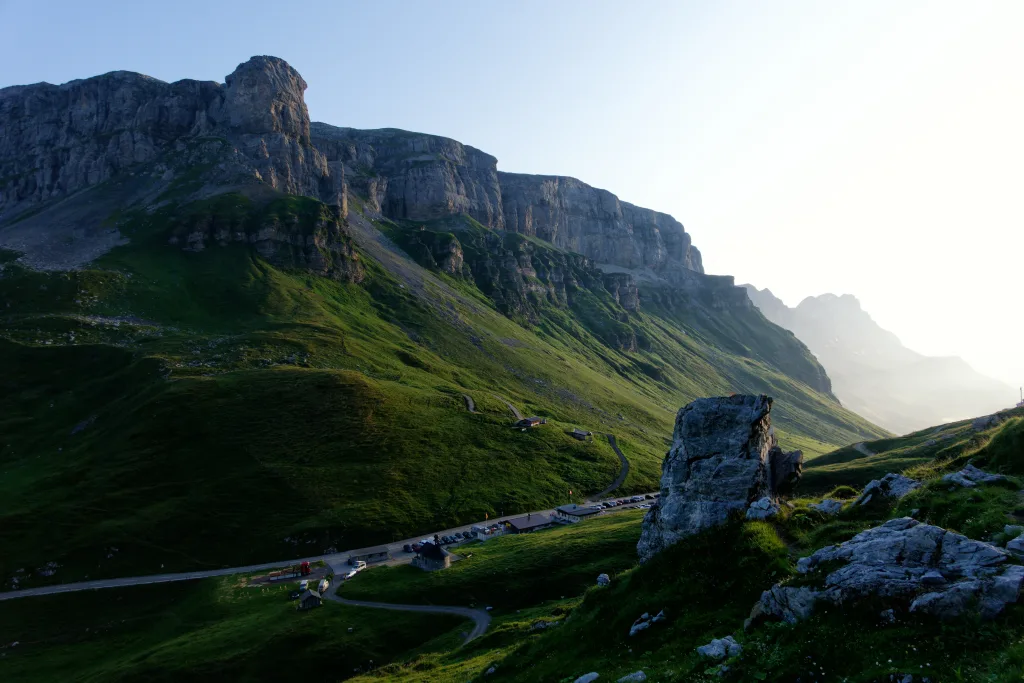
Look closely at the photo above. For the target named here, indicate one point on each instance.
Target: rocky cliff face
(724, 459)
(413, 176)
(291, 232)
(56, 140)
(575, 216)
(424, 177)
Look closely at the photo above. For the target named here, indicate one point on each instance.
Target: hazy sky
(867, 147)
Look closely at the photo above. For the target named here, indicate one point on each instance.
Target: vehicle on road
(349, 574)
(303, 585)
(358, 565)
(649, 497)
(407, 548)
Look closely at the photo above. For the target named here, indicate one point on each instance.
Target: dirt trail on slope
(623, 471)
(862, 449)
(515, 411)
(470, 406)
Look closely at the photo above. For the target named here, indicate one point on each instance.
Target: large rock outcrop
(914, 566)
(724, 457)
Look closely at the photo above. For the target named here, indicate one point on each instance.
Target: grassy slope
(707, 585)
(850, 466)
(210, 409)
(211, 630)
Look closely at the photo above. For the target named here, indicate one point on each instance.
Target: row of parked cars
(457, 537)
(629, 501)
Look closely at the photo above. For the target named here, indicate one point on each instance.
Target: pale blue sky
(868, 147)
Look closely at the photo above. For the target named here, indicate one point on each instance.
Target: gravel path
(481, 619)
(861, 448)
(515, 411)
(623, 471)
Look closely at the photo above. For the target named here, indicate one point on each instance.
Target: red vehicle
(304, 569)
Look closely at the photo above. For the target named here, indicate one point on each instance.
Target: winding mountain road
(515, 411)
(481, 619)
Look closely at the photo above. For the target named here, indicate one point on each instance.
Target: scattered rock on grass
(603, 580)
(720, 648)
(890, 486)
(587, 678)
(828, 506)
(633, 677)
(645, 621)
(971, 476)
(1016, 547)
(762, 508)
(892, 562)
(982, 423)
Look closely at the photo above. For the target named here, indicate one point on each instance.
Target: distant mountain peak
(873, 373)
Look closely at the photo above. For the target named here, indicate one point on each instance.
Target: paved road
(338, 562)
(623, 471)
(515, 411)
(861, 448)
(481, 619)
(470, 406)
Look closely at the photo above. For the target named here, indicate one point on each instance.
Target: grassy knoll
(945, 444)
(210, 630)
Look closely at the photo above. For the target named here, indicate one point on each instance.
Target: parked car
(407, 548)
(648, 497)
(359, 565)
(304, 584)
(416, 547)
(349, 574)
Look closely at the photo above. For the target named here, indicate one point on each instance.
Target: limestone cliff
(254, 129)
(421, 177)
(575, 216)
(56, 140)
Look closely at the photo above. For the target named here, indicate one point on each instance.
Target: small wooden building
(575, 513)
(522, 525)
(432, 558)
(310, 599)
(527, 422)
(582, 435)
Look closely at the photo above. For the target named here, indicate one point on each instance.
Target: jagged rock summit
(724, 458)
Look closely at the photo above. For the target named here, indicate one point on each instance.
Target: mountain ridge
(874, 373)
